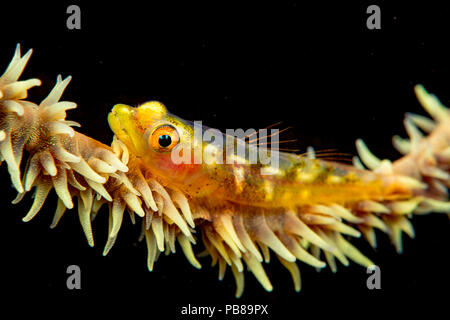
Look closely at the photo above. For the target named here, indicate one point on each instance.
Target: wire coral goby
(308, 209)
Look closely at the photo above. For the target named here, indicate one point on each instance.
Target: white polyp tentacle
(53, 97)
(367, 157)
(10, 88)
(13, 106)
(431, 104)
(16, 66)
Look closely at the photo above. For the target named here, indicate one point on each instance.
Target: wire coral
(233, 234)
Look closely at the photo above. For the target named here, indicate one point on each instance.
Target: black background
(316, 67)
